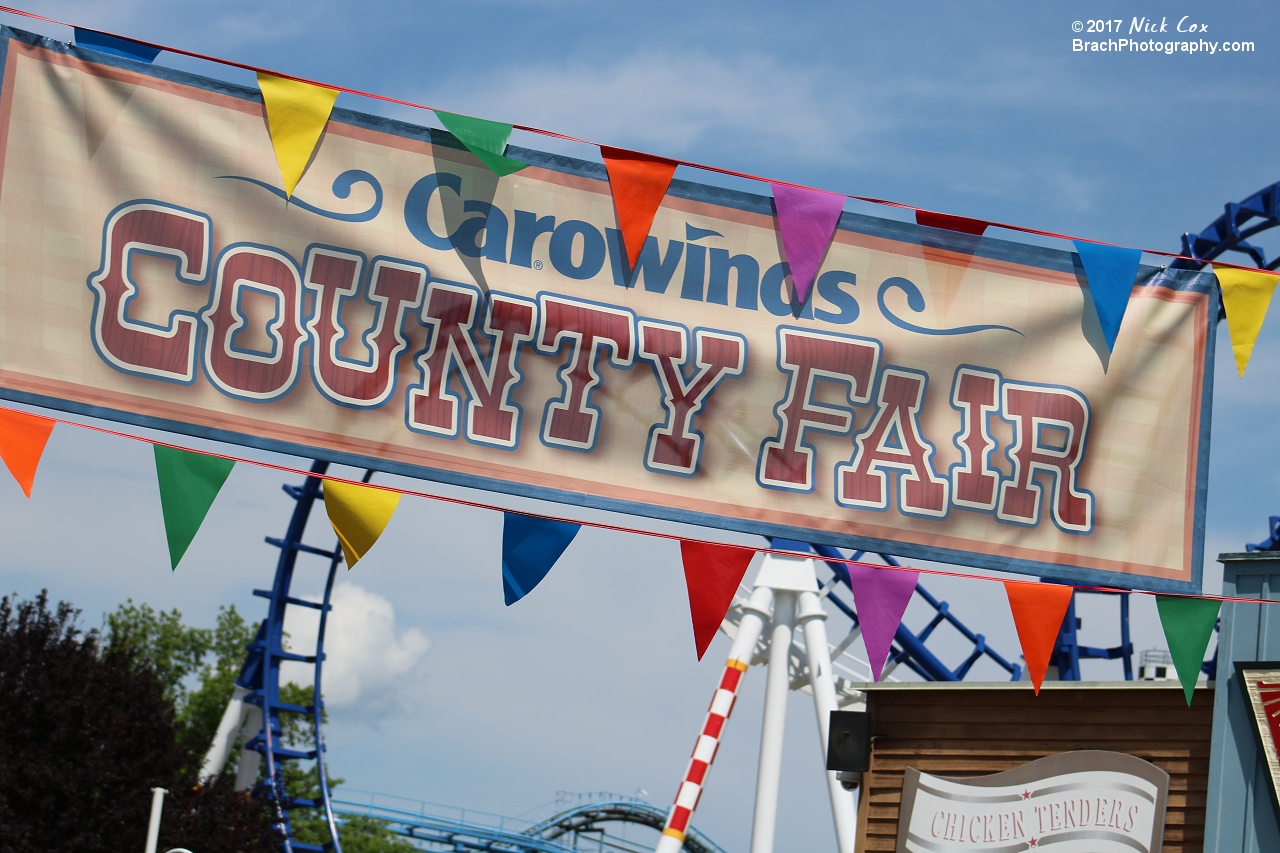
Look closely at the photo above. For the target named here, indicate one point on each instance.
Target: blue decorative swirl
(341, 188)
(915, 301)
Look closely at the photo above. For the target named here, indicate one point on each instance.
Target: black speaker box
(849, 741)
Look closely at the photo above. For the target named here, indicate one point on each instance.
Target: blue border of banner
(904, 232)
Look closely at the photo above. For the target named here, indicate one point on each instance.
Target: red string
(600, 525)
(553, 134)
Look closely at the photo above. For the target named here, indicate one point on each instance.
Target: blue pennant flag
(530, 547)
(1111, 271)
(115, 45)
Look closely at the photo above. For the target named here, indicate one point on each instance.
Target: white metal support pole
(812, 619)
(153, 826)
(777, 690)
(704, 751)
(224, 738)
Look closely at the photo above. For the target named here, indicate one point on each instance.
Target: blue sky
(978, 109)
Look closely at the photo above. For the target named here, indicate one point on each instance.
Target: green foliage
(199, 715)
(88, 731)
(361, 834)
(90, 726)
(173, 650)
(179, 655)
(295, 729)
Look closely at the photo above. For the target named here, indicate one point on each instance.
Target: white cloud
(369, 663)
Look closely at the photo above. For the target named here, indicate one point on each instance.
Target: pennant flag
(807, 221)
(297, 113)
(188, 484)
(358, 514)
(127, 48)
(1245, 297)
(1110, 271)
(530, 547)
(483, 138)
(881, 596)
(1038, 611)
(712, 573)
(947, 256)
(1188, 625)
(22, 441)
(963, 224)
(639, 182)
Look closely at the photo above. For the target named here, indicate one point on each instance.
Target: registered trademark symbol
(537, 265)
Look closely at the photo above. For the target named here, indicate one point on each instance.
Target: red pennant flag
(712, 573)
(639, 183)
(1038, 611)
(947, 258)
(22, 441)
(963, 224)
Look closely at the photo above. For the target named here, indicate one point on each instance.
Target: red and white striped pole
(755, 614)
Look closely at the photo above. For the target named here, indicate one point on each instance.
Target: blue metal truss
(261, 673)
(909, 647)
(469, 831)
(1067, 652)
(1231, 231)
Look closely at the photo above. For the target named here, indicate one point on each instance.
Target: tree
(90, 722)
(89, 728)
(86, 735)
(180, 654)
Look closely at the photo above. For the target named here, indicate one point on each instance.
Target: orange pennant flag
(22, 441)
(639, 182)
(712, 573)
(1038, 611)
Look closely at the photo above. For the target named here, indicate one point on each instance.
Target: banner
(1102, 802)
(938, 395)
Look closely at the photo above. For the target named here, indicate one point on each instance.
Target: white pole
(777, 689)
(153, 827)
(704, 750)
(812, 618)
(224, 738)
(250, 759)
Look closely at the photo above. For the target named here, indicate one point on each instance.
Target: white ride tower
(784, 597)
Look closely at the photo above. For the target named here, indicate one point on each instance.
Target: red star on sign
(1026, 795)
(1033, 842)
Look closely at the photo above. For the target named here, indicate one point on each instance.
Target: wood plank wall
(973, 732)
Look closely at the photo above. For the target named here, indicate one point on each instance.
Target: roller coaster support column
(812, 619)
(777, 689)
(704, 751)
(782, 583)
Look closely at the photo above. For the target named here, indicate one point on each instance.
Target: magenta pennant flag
(881, 597)
(807, 220)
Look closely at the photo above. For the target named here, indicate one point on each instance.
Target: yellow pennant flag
(1245, 297)
(358, 514)
(296, 115)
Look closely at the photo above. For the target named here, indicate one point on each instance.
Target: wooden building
(973, 729)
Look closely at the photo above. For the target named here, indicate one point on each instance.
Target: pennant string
(231, 63)
(620, 528)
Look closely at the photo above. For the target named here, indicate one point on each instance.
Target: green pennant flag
(188, 484)
(483, 138)
(1188, 625)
